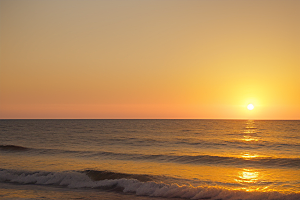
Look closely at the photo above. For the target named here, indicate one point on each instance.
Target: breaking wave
(130, 183)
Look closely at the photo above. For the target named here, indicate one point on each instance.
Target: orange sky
(150, 59)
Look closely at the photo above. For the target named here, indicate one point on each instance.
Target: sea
(151, 159)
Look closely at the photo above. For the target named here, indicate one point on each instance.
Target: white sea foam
(72, 179)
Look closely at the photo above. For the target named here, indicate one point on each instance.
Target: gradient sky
(205, 59)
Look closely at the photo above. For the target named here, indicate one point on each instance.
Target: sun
(250, 107)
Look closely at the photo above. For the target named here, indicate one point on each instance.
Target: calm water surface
(142, 159)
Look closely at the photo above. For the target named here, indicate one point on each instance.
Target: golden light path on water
(252, 179)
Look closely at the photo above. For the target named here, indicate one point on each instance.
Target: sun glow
(250, 107)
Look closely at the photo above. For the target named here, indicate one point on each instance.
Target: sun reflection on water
(247, 176)
(248, 156)
(249, 133)
(248, 138)
(250, 179)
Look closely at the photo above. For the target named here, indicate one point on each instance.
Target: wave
(183, 159)
(237, 143)
(126, 184)
(102, 175)
(13, 148)
(223, 160)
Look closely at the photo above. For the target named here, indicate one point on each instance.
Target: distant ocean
(150, 159)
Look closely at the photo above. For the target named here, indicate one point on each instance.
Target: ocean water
(150, 159)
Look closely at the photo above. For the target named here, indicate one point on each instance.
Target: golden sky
(205, 59)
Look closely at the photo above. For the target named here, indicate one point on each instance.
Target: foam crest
(73, 179)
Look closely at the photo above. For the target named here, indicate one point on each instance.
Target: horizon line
(146, 119)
